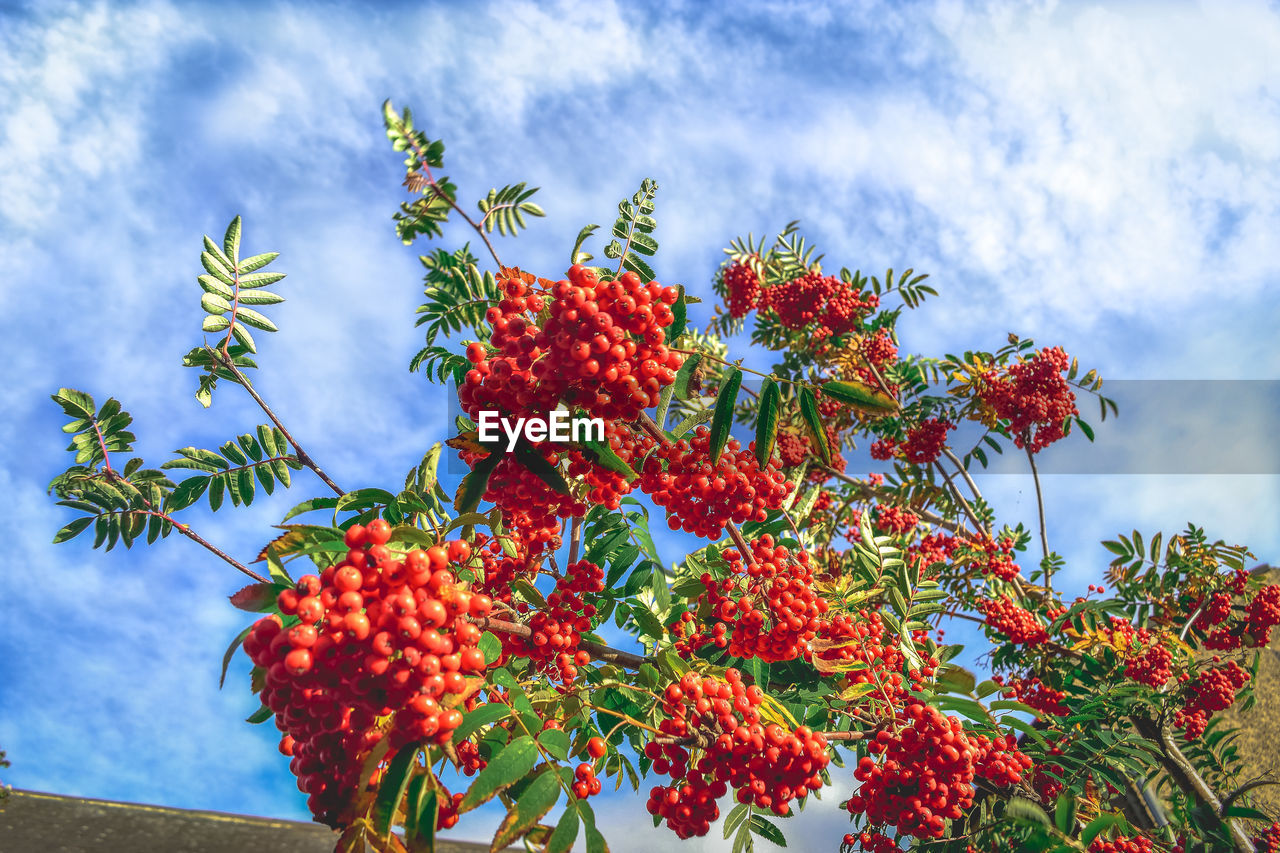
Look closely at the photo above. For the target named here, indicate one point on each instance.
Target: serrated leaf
(767, 421)
(212, 303)
(722, 420)
(421, 813)
(231, 241)
(535, 801)
(861, 396)
(230, 653)
(72, 530)
(474, 484)
(257, 597)
(259, 297)
(680, 313)
(508, 766)
(685, 374)
(565, 833)
(254, 319)
(482, 716)
(555, 742)
(392, 788)
(259, 716)
(813, 423)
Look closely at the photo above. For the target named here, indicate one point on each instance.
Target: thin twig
(1044, 534)
(964, 504)
(439, 191)
(736, 535)
(302, 455)
(575, 539)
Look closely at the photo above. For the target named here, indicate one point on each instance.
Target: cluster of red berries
(741, 288)
(927, 772)
(768, 603)
(894, 519)
(528, 503)
(1269, 841)
(606, 487)
(376, 635)
(1033, 396)
(1016, 623)
(793, 448)
(557, 631)
(1152, 667)
(1214, 690)
(926, 441)
(992, 556)
(1122, 844)
(508, 379)
(1034, 693)
(834, 305)
(607, 339)
(700, 497)
(931, 549)
(866, 645)
(767, 765)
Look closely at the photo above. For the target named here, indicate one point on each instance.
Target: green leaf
(257, 597)
(813, 422)
(76, 404)
(1099, 825)
(726, 399)
(578, 256)
(473, 485)
(865, 398)
(680, 311)
(555, 742)
(956, 679)
(1024, 810)
(508, 766)
(535, 801)
(254, 319)
(257, 262)
(566, 831)
(490, 646)
(259, 716)
(392, 788)
(231, 242)
(212, 303)
(767, 830)
(73, 529)
(483, 715)
(1064, 813)
(537, 465)
(230, 653)
(421, 813)
(605, 457)
(767, 421)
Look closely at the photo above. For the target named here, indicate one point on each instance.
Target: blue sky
(1101, 176)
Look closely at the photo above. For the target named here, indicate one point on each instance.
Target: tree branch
(302, 455)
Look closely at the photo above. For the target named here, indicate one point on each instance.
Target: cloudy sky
(1101, 176)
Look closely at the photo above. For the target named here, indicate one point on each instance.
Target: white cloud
(1104, 173)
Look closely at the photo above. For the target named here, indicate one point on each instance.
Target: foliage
(407, 640)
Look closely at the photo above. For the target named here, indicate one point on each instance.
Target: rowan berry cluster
(376, 634)
(701, 497)
(932, 548)
(1269, 841)
(1262, 613)
(606, 487)
(529, 504)
(894, 519)
(606, 338)
(991, 556)
(742, 289)
(793, 449)
(1122, 844)
(926, 441)
(1016, 623)
(843, 640)
(768, 766)
(1034, 693)
(1152, 667)
(557, 630)
(1214, 690)
(1032, 396)
(767, 603)
(927, 770)
(834, 305)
